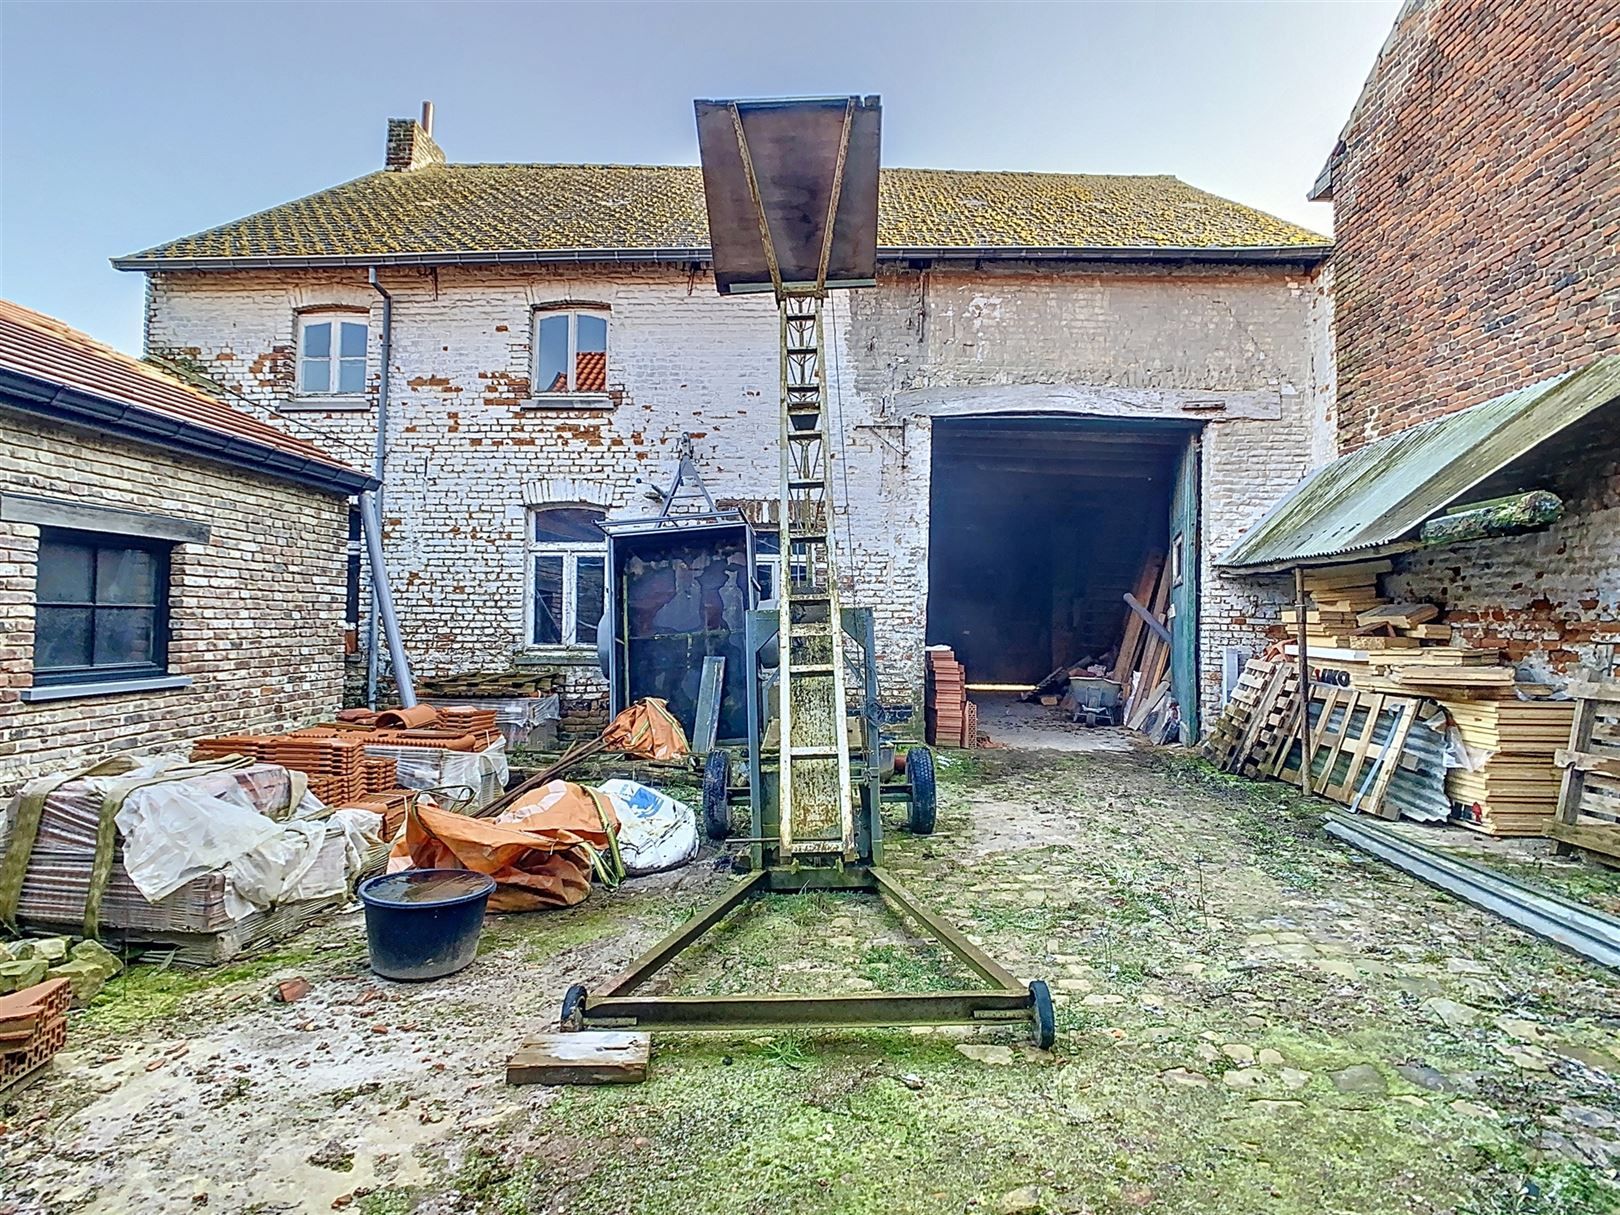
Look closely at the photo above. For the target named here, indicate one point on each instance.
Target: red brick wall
(1477, 208)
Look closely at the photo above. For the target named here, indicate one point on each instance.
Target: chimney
(410, 143)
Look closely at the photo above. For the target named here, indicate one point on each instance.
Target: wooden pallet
(1588, 814)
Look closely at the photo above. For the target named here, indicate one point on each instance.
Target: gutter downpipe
(382, 616)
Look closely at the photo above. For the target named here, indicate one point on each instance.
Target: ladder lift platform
(791, 187)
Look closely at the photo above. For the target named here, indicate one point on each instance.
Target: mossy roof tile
(536, 209)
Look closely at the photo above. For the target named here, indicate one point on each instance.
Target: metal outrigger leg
(815, 794)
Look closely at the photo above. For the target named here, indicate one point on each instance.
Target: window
(332, 353)
(570, 352)
(767, 566)
(101, 608)
(568, 553)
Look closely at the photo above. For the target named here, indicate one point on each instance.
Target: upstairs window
(570, 352)
(101, 608)
(568, 556)
(332, 353)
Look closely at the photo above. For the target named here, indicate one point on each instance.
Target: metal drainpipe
(378, 465)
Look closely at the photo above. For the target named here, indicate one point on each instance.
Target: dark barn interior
(1038, 527)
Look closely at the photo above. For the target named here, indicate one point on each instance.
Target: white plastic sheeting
(656, 832)
(173, 832)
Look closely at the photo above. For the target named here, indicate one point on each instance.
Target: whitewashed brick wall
(256, 612)
(466, 457)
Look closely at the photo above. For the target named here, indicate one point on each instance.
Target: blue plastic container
(424, 923)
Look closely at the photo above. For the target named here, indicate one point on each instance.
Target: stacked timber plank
(1142, 665)
(1515, 791)
(947, 710)
(33, 1027)
(1588, 814)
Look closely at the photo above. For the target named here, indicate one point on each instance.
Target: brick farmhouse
(1048, 365)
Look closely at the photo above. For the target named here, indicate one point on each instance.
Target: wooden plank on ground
(585, 1057)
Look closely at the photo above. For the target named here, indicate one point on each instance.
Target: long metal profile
(1591, 934)
(1003, 999)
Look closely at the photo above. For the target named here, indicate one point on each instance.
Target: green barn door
(1184, 589)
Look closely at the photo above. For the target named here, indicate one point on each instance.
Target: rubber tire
(716, 802)
(924, 792)
(1045, 1017)
(573, 1010)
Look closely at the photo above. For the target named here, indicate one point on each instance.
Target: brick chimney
(410, 143)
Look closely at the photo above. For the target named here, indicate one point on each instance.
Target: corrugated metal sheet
(1380, 494)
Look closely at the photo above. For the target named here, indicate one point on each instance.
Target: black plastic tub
(424, 923)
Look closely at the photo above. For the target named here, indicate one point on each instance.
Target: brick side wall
(1477, 209)
(468, 455)
(1477, 216)
(256, 612)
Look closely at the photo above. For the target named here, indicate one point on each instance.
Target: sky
(126, 124)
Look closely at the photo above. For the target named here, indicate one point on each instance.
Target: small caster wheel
(716, 805)
(924, 799)
(573, 1010)
(1045, 1018)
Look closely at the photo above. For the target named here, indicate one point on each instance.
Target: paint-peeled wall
(470, 449)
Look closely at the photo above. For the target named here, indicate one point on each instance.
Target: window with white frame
(332, 353)
(570, 351)
(568, 568)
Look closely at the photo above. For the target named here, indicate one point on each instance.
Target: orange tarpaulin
(646, 730)
(539, 851)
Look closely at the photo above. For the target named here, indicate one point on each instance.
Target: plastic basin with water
(424, 923)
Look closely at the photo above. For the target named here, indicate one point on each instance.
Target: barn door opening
(1039, 525)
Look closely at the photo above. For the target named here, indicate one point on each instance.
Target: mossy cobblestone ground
(1251, 1018)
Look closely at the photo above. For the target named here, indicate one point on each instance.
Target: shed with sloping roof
(169, 565)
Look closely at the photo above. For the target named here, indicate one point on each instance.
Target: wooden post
(1304, 683)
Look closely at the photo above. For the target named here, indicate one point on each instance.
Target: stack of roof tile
(947, 712)
(334, 764)
(33, 1027)
(380, 773)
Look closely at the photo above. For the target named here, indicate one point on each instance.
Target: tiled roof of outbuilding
(489, 210)
(42, 351)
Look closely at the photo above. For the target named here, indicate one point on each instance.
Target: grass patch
(148, 992)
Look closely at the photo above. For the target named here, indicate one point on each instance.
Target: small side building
(169, 566)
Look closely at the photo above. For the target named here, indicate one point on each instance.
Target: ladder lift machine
(792, 190)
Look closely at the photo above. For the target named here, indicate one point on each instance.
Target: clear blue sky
(122, 125)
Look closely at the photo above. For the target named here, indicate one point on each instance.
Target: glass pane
(61, 637)
(548, 602)
(315, 376)
(568, 525)
(351, 375)
(590, 351)
(126, 575)
(589, 575)
(551, 340)
(64, 572)
(352, 341)
(318, 340)
(765, 577)
(124, 635)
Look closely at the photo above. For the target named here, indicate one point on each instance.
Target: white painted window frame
(337, 318)
(572, 396)
(570, 552)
